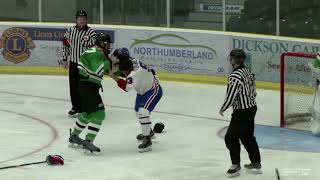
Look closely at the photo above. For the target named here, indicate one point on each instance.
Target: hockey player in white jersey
(146, 84)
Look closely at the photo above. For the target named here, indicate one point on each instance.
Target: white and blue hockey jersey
(142, 79)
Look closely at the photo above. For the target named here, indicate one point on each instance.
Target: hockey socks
(82, 123)
(95, 124)
(92, 120)
(145, 121)
(145, 125)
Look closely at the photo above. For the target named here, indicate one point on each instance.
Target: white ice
(188, 150)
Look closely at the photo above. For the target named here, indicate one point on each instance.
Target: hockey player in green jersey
(93, 64)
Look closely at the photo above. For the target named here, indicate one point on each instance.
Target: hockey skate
(140, 137)
(253, 168)
(146, 145)
(73, 114)
(90, 148)
(234, 170)
(75, 141)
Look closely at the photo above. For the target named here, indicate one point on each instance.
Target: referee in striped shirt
(76, 40)
(241, 95)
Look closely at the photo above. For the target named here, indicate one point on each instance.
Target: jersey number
(129, 80)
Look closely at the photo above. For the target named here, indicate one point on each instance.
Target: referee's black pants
(74, 87)
(242, 128)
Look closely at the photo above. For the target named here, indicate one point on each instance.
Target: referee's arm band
(65, 42)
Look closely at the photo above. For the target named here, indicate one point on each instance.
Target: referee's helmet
(81, 13)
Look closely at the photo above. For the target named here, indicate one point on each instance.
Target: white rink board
(178, 52)
(181, 51)
(41, 44)
(264, 54)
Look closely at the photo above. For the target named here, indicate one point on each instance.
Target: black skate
(90, 149)
(146, 145)
(75, 141)
(140, 137)
(254, 168)
(234, 170)
(73, 114)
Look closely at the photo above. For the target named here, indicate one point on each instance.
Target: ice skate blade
(145, 149)
(91, 153)
(254, 171)
(74, 146)
(153, 137)
(233, 175)
(73, 116)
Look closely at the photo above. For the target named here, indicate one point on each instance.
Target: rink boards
(176, 54)
(203, 79)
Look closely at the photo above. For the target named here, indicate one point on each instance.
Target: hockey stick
(277, 173)
(50, 160)
(27, 164)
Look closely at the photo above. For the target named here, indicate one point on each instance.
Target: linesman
(241, 95)
(76, 40)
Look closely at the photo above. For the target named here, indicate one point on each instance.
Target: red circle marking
(53, 130)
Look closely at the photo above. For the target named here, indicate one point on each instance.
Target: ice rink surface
(34, 124)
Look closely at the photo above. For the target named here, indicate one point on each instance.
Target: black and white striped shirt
(241, 91)
(76, 41)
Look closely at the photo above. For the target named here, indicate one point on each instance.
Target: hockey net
(296, 90)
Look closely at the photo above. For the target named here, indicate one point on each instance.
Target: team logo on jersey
(16, 44)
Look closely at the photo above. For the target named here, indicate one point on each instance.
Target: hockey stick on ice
(277, 173)
(27, 164)
(50, 160)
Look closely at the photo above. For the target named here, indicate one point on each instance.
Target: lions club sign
(16, 44)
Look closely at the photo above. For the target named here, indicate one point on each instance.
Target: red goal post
(296, 93)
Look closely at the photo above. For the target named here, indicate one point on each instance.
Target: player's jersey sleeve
(107, 66)
(142, 79)
(132, 80)
(92, 65)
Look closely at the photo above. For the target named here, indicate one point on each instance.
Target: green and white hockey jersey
(93, 65)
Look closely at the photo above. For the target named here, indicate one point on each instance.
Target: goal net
(297, 90)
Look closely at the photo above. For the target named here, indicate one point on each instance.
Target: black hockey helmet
(238, 55)
(125, 64)
(104, 41)
(125, 61)
(122, 53)
(81, 13)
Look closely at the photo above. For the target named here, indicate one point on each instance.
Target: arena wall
(177, 54)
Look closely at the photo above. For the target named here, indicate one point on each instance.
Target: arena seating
(259, 17)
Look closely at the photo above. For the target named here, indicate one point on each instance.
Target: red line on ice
(53, 138)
